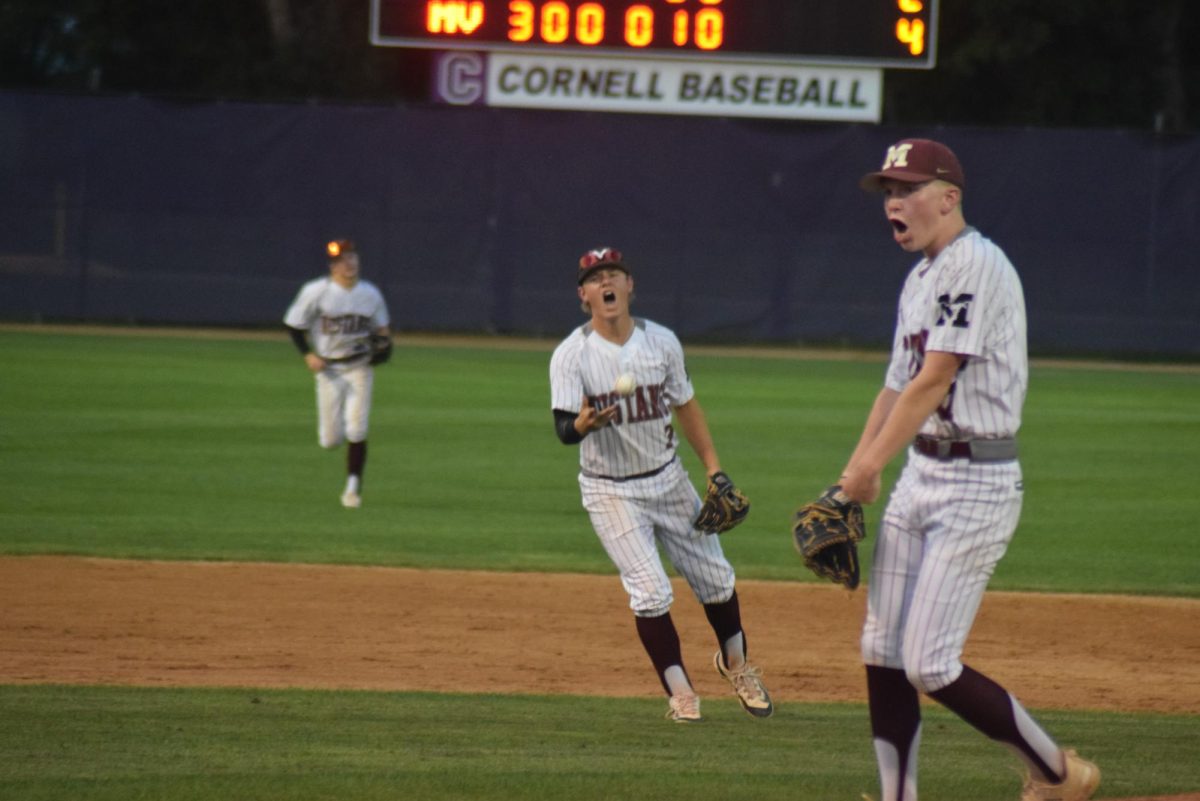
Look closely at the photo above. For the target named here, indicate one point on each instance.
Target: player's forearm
(300, 340)
(694, 426)
(878, 415)
(908, 413)
(912, 408)
(564, 426)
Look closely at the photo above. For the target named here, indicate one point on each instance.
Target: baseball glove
(724, 505)
(381, 348)
(826, 532)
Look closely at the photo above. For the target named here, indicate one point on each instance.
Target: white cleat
(684, 708)
(351, 499)
(1081, 781)
(747, 686)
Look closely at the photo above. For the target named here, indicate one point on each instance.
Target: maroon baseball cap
(915, 161)
(597, 258)
(337, 248)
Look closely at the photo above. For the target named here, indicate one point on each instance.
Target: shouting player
(635, 488)
(340, 312)
(952, 395)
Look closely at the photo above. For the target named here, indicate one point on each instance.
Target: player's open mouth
(899, 225)
(610, 296)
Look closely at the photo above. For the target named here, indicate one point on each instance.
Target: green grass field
(170, 447)
(119, 744)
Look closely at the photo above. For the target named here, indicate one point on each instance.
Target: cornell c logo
(460, 78)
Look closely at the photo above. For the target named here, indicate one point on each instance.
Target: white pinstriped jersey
(967, 301)
(339, 320)
(641, 437)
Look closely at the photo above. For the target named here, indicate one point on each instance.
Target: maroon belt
(977, 450)
(647, 474)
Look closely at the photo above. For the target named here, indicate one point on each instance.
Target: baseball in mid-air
(625, 385)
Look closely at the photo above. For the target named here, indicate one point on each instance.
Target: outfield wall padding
(471, 219)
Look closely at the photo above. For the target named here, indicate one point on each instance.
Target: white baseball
(625, 385)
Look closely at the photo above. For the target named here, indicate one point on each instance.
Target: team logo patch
(955, 310)
(897, 156)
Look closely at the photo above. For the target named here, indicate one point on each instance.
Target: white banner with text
(734, 89)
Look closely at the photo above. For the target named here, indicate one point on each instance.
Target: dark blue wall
(472, 219)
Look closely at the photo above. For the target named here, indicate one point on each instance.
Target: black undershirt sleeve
(564, 426)
(300, 339)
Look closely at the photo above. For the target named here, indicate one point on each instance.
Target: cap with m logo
(915, 161)
(599, 258)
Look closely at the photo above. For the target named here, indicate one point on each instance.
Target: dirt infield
(101, 621)
(164, 624)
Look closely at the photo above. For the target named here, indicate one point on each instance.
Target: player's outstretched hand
(592, 419)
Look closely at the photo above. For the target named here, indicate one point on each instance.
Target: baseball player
(633, 485)
(952, 395)
(340, 313)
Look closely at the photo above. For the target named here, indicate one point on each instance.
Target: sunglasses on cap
(600, 256)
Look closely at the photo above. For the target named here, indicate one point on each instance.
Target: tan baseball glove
(826, 532)
(724, 505)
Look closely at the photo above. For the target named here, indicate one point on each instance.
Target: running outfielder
(633, 484)
(347, 319)
(953, 394)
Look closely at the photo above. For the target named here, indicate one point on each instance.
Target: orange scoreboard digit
(882, 33)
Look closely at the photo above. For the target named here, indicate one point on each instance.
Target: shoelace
(1031, 790)
(688, 705)
(747, 681)
(1036, 790)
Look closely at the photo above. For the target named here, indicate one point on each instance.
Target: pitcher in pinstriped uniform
(952, 397)
(633, 484)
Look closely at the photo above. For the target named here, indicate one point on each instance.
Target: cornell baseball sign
(849, 94)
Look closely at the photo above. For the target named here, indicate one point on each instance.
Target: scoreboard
(877, 33)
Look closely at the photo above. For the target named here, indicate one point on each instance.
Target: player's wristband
(300, 340)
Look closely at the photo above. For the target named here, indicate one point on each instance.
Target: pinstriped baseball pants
(631, 518)
(946, 526)
(343, 404)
